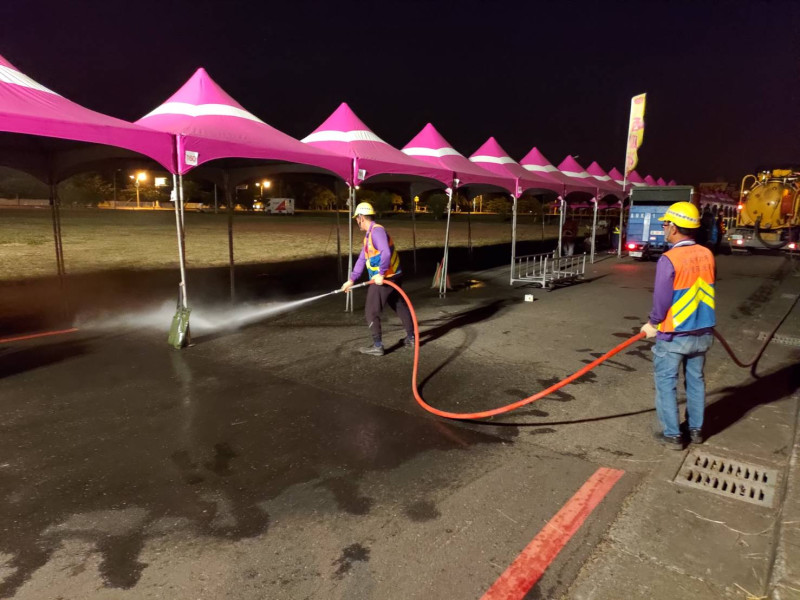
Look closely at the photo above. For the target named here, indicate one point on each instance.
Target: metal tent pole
(413, 225)
(513, 237)
(183, 222)
(231, 265)
(622, 213)
(542, 211)
(339, 265)
(561, 204)
(469, 231)
(594, 224)
(181, 248)
(57, 240)
(351, 201)
(443, 272)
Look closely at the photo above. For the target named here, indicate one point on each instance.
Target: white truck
(279, 206)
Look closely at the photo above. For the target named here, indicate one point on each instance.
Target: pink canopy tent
(572, 169)
(431, 147)
(29, 108)
(635, 179)
(672, 182)
(344, 134)
(596, 171)
(492, 157)
(68, 138)
(616, 177)
(650, 180)
(210, 124)
(536, 162)
(660, 181)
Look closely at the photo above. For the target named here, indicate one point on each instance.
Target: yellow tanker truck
(768, 213)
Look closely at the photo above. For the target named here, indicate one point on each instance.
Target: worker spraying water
(382, 263)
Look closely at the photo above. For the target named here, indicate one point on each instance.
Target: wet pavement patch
(347, 495)
(120, 567)
(421, 511)
(558, 395)
(351, 554)
(181, 442)
(541, 430)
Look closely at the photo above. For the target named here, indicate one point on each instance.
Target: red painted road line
(37, 335)
(529, 566)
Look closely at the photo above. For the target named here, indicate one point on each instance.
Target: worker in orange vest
(682, 321)
(381, 261)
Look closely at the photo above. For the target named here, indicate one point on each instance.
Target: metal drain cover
(730, 478)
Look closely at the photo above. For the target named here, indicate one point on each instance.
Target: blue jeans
(689, 351)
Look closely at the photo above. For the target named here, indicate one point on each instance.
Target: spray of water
(204, 319)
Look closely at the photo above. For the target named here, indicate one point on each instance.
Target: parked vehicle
(644, 234)
(768, 214)
(275, 206)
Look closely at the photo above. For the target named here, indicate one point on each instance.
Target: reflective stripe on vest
(373, 255)
(693, 290)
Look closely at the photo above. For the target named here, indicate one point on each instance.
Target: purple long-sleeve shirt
(662, 295)
(381, 242)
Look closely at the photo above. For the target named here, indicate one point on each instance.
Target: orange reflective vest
(693, 290)
(372, 255)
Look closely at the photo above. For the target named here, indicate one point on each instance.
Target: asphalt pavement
(274, 461)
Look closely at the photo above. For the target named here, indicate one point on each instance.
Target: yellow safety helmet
(683, 214)
(363, 208)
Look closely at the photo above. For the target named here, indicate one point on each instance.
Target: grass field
(96, 240)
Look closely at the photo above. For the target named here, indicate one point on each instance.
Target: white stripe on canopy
(438, 153)
(497, 160)
(577, 175)
(541, 168)
(202, 110)
(342, 136)
(14, 77)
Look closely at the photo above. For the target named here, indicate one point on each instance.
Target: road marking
(36, 335)
(530, 565)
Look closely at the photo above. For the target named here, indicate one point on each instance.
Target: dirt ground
(99, 240)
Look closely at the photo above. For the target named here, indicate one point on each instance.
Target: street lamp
(263, 185)
(137, 179)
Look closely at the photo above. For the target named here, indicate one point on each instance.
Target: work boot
(408, 341)
(673, 442)
(374, 350)
(696, 436)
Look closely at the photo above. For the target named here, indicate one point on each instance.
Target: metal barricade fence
(548, 270)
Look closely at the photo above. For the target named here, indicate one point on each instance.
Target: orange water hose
(557, 386)
(509, 407)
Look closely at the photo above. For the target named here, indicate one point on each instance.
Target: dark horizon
(723, 85)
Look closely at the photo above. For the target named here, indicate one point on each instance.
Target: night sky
(722, 78)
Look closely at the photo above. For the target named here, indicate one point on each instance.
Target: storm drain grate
(784, 340)
(730, 478)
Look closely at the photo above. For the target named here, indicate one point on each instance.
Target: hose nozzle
(352, 287)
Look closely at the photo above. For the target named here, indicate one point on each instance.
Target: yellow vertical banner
(635, 132)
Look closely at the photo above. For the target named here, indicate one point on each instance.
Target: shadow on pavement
(736, 402)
